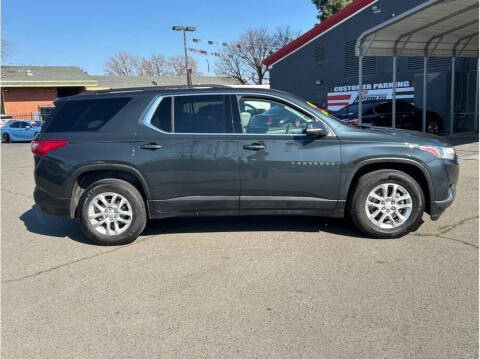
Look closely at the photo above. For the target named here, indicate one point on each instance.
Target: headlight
(447, 153)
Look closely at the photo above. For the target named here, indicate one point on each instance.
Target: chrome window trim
(158, 98)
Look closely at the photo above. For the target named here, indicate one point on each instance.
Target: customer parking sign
(341, 96)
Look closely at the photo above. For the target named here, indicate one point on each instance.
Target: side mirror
(315, 129)
(27, 127)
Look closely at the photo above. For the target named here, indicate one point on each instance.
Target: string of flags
(210, 42)
(197, 40)
(203, 52)
(218, 43)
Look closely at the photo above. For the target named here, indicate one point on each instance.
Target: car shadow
(38, 222)
(251, 224)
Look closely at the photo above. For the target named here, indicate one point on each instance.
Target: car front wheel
(433, 126)
(6, 138)
(112, 212)
(387, 204)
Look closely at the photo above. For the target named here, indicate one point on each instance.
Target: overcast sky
(85, 33)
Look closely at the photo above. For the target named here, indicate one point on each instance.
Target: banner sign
(341, 96)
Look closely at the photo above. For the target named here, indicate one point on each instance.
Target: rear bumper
(51, 204)
(438, 207)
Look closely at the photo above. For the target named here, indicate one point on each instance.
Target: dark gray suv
(113, 159)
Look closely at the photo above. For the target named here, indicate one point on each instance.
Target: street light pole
(186, 56)
(184, 29)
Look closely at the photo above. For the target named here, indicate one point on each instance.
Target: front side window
(270, 117)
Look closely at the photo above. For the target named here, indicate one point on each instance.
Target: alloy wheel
(110, 213)
(433, 127)
(388, 205)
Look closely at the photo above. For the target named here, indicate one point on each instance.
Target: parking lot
(237, 287)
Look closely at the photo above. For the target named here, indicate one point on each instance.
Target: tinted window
(162, 118)
(271, 117)
(15, 125)
(404, 107)
(366, 106)
(384, 108)
(201, 114)
(343, 111)
(85, 115)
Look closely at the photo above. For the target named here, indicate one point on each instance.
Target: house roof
(69, 76)
(115, 82)
(45, 76)
(318, 30)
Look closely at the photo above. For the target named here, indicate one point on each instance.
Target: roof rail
(155, 88)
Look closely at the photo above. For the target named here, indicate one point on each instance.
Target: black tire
(433, 126)
(367, 183)
(124, 189)
(6, 138)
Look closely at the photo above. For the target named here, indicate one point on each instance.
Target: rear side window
(201, 114)
(162, 118)
(85, 115)
(194, 114)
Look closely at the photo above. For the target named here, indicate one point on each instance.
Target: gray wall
(301, 74)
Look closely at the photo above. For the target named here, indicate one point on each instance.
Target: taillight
(42, 147)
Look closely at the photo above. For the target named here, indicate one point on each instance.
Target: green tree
(329, 7)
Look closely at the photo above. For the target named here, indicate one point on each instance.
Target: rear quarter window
(85, 115)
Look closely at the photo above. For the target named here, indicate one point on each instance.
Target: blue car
(18, 131)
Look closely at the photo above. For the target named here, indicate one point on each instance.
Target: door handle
(254, 147)
(150, 146)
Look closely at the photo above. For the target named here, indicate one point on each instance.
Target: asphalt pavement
(237, 287)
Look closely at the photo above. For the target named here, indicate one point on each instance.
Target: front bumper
(444, 177)
(438, 207)
(51, 204)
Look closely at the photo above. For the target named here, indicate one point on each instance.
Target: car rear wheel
(112, 212)
(6, 138)
(387, 204)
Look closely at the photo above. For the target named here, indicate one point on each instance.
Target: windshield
(324, 114)
(353, 108)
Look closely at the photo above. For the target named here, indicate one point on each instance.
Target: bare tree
(242, 59)
(231, 65)
(282, 35)
(122, 64)
(176, 65)
(158, 65)
(125, 64)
